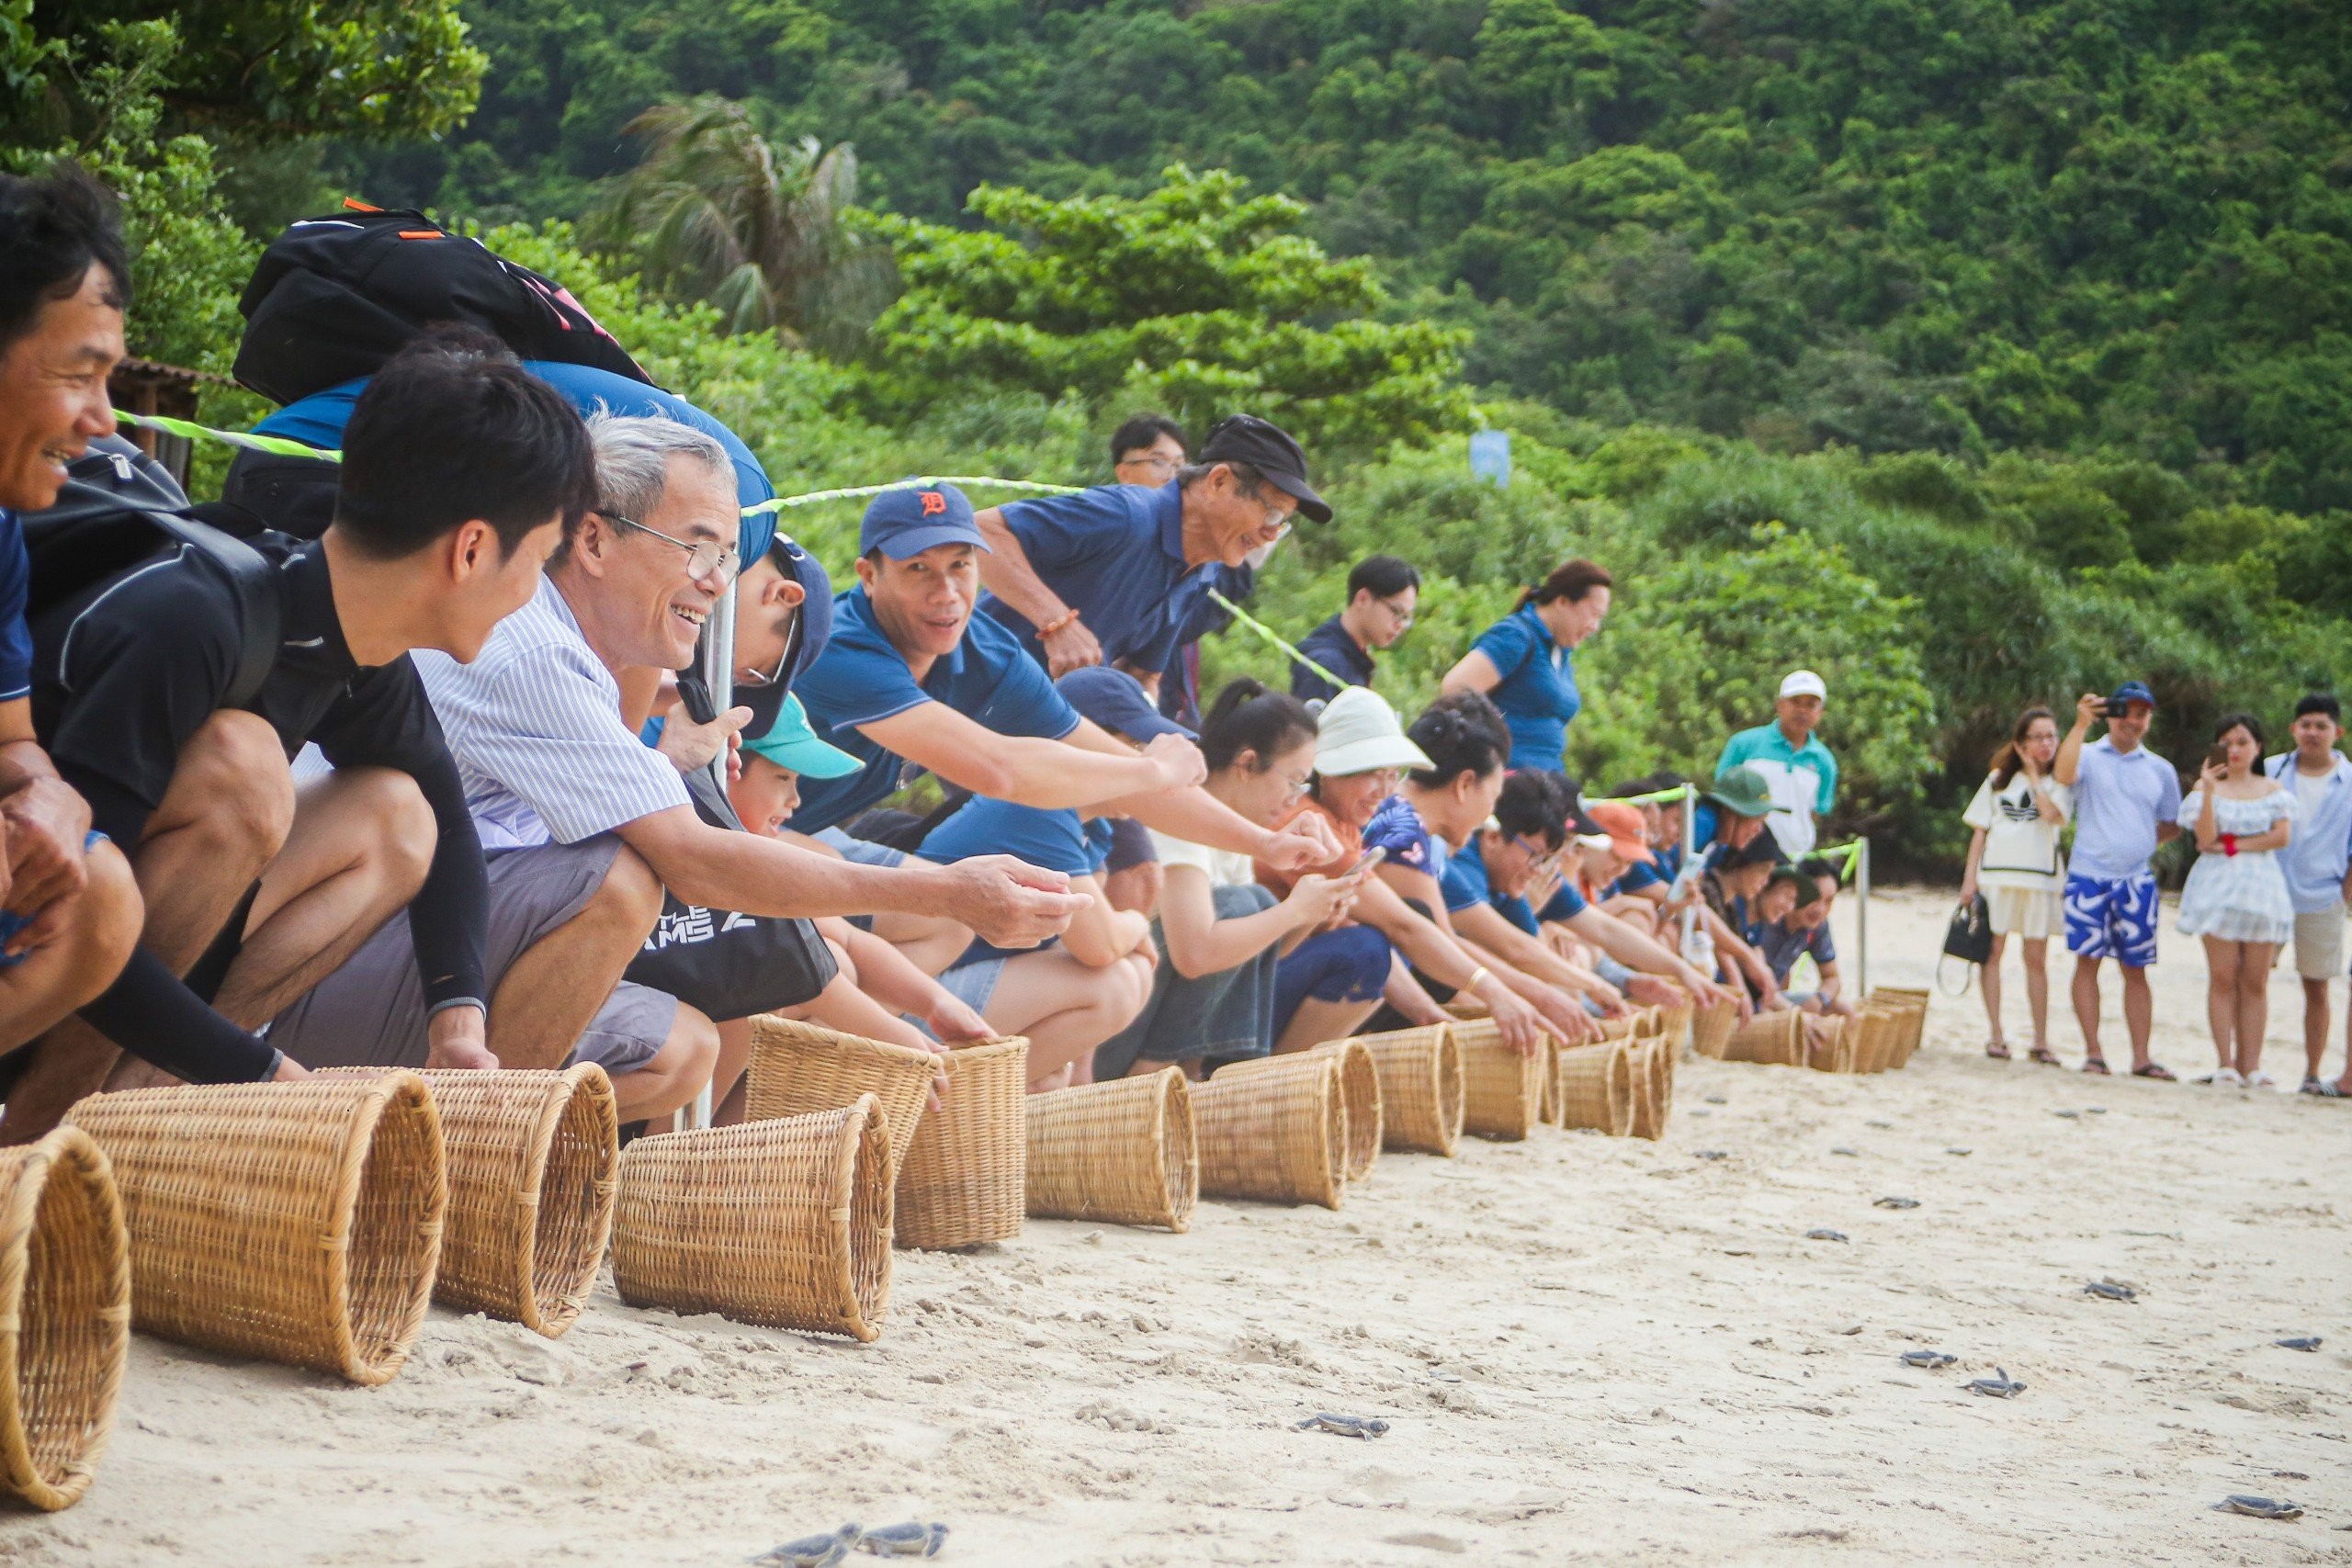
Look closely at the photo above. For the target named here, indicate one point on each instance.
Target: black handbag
(1969, 937)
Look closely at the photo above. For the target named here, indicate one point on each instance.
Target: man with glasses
(1383, 595)
(1111, 575)
(1147, 450)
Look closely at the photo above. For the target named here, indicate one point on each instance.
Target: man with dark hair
(460, 476)
(69, 910)
(1147, 450)
(1384, 595)
(2318, 863)
(1112, 575)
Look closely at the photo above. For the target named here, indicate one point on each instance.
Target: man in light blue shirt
(2318, 863)
(1795, 766)
(2127, 801)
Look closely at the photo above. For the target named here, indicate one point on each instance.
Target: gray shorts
(371, 1012)
(860, 851)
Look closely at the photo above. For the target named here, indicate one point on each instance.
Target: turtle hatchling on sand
(2260, 1507)
(2000, 1385)
(1894, 1203)
(1824, 1234)
(1365, 1426)
(2110, 1290)
(810, 1550)
(912, 1538)
(1931, 1360)
(2306, 1342)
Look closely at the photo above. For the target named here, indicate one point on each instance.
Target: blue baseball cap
(791, 744)
(1116, 700)
(2135, 692)
(903, 522)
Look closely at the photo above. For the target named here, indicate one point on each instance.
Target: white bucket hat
(1358, 733)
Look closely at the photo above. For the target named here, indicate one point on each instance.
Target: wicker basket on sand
(1829, 1044)
(1776, 1038)
(530, 1159)
(1913, 1005)
(1276, 1128)
(1879, 1036)
(1653, 1086)
(1596, 1086)
(965, 1180)
(1710, 1028)
(65, 1301)
(1501, 1089)
(1420, 1088)
(1360, 1091)
(294, 1222)
(784, 1222)
(1677, 1017)
(799, 1067)
(1122, 1151)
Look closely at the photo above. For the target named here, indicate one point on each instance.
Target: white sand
(1588, 1350)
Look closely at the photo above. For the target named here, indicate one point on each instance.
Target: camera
(2118, 708)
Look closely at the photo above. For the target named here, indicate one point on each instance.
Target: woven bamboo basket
(964, 1180)
(1879, 1037)
(1276, 1129)
(1914, 1004)
(1547, 1097)
(1833, 1054)
(65, 1302)
(1122, 1151)
(1596, 1087)
(530, 1159)
(1776, 1038)
(1676, 1016)
(1420, 1088)
(1710, 1028)
(297, 1222)
(799, 1068)
(1501, 1090)
(1653, 1086)
(784, 1222)
(1359, 1090)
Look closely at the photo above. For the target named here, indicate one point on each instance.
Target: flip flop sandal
(1997, 1051)
(2045, 1056)
(2155, 1070)
(2096, 1066)
(2321, 1089)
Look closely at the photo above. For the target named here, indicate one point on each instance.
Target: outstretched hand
(1008, 902)
(1304, 841)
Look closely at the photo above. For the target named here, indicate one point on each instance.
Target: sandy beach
(1588, 1350)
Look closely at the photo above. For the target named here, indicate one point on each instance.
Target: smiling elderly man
(550, 758)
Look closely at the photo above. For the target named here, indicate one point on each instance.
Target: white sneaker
(2223, 1078)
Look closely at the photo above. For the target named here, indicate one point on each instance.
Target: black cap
(1246, 438)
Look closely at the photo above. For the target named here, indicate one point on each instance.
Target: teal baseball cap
(791, 744)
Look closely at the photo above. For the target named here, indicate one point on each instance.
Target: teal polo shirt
(1803, 780)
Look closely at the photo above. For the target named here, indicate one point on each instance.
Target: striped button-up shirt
(536, 726)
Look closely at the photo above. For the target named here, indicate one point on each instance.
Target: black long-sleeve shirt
(127, 671)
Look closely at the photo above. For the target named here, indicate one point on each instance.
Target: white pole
(1863, 921)
(718, 675)
(1689, 827)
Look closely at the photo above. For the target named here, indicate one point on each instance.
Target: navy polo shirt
(1053, 838)
(1329, 646)
(1538, 693)
(16, 584)
(1465, 885)
(861, 678)
(1114, 554)
(1637, 876)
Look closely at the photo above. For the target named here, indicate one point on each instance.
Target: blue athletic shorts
(2112, 918)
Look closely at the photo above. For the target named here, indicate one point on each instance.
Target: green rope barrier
(1656, 797)
(277, 445)
(851, 492)
(1263, 630)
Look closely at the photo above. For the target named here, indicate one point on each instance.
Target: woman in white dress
(2013, 860)
(2236, 896)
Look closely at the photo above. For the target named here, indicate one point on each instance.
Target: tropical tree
(716, 213)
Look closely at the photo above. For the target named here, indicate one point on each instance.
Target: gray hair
(633, 453)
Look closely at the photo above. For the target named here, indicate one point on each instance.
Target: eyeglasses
(708, 558)
(1154, 460)
(1298, 786)
(1403, 618)
(1538, 856)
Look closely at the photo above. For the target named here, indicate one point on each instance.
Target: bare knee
(405, 834)
(232, 785)
(676, 1072)
(630, 895)
(108, 920)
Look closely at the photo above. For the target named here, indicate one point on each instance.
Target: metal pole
(1689, 827)
(1863, 921)
(718, 675)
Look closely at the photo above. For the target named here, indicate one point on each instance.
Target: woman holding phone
(2014, 860)
(2236, 896)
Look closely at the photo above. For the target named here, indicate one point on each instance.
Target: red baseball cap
(1628, 834)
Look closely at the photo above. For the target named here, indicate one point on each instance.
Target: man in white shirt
(2318, 863)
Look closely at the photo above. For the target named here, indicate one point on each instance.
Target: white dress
(2240, 897)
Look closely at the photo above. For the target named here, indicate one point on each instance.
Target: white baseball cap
(1359, 732)
(1805, 683)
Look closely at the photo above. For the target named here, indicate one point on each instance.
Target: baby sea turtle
(810, 1550)
(2069, 1115)
(2094, 1109)
(1962, 1152)
(912, 1538)
(2306, 1342)
(1850, 1154)
(2110, 1290)
(1364, 1426)
(2000, 1385)
(1711, 1154)
(1717, 1100)
(1894, 1203)
(2260, 1507)
(1931, 1360)
(1824, 1234)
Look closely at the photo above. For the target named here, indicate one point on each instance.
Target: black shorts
(729, 966)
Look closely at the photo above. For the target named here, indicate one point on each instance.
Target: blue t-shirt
(1538, 693)
(2120, 799)
(1329, 646)
(1567, 904)
(15, 637)
(1053, 838)
(1114, 554)
(861, 678)
(1466, 884)
(318, 421)
(1399, 829)
(1638, 876)
(1782, 947)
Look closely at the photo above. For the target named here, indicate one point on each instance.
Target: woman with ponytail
(1523, 661)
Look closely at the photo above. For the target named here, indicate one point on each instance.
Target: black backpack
(120, 507)
(334, 297)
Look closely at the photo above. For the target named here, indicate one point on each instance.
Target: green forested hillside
(1957, 225)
